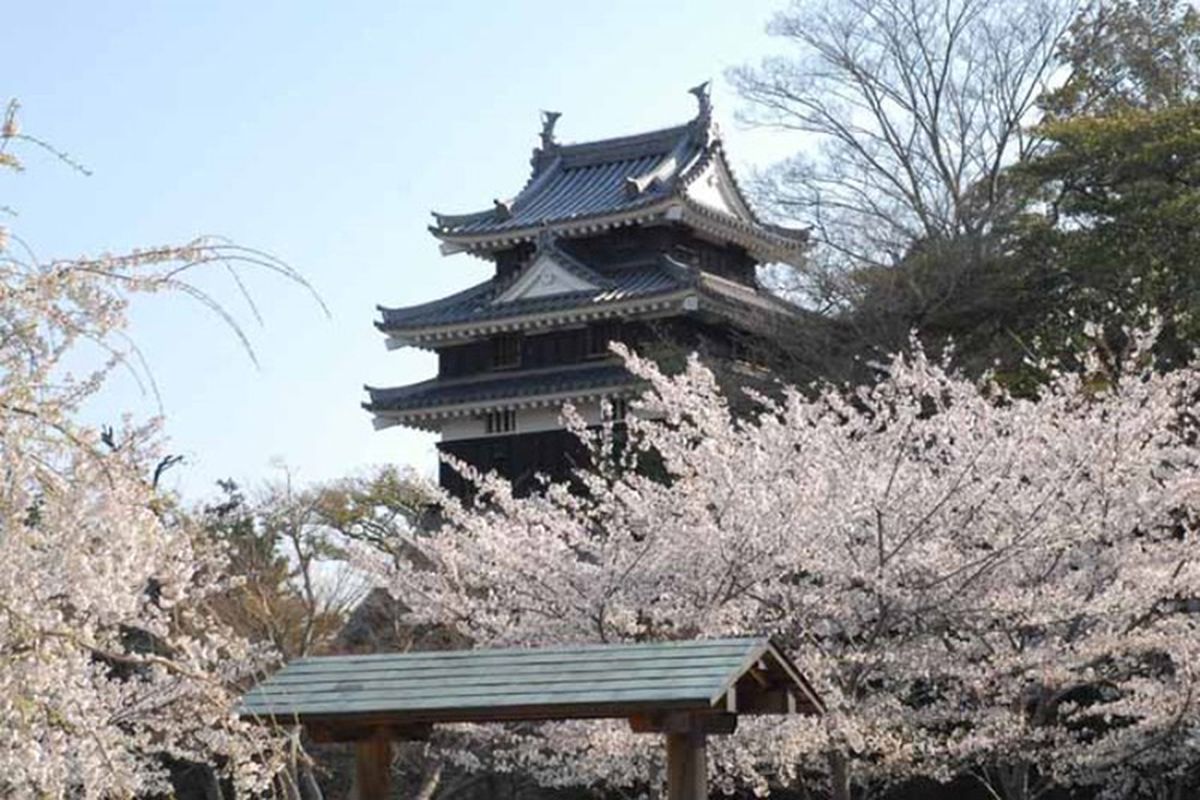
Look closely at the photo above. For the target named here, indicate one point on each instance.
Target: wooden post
(373, 767)
(687, 766)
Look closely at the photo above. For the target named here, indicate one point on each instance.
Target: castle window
(599, 334)
(506, 351)
(620, 408)
(504, 421)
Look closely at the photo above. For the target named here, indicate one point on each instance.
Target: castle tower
(639, 239)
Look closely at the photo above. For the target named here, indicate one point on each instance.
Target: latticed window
(506, 350)
(504, 421)
(599, 334)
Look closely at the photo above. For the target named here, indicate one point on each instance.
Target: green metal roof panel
(692, 674)
(476, 674)
(679, 649)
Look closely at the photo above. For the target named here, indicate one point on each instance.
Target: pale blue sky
(324, 133)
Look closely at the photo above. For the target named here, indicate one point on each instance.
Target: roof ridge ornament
(549, 120)
(664, 175)
(703, 94)
(543, 154)
(679, 173)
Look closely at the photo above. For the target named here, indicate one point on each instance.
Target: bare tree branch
(911, 108)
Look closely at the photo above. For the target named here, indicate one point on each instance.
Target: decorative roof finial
(702, 93)
(549, 119)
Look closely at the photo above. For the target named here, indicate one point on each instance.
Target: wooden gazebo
(684, 690)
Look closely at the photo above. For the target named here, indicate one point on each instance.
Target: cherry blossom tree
(977, 583)
(113, 670)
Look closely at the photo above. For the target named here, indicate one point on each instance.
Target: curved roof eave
(768, 241)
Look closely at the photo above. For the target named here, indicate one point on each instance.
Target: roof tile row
(475, 304)
(437, 392)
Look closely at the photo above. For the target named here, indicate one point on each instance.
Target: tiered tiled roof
(473, 309)
(674, 174)
(423, 404)
(662, 287)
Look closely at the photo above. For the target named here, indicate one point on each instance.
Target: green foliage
(266, 603)
(1116, 219)
(1099, 222)
(289, 549)
(966, 293)
(371, 509)
(1129, 54)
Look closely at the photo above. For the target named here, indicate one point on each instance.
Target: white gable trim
(543, 278)
(706, 190)
(713, 188)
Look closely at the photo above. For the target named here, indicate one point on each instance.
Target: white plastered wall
(529, 420)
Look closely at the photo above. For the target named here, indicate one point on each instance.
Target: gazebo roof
(575, 682)
(677, 174)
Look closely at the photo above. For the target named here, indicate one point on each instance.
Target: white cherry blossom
(975, 582)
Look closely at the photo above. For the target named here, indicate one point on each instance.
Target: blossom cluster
(112, 667)
(976, 583)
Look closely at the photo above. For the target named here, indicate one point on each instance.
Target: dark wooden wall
(580, 344)
(626, 247)
(518, 457)
(555, 348)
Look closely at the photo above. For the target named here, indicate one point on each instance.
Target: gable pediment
(545, 277)
(714, 187)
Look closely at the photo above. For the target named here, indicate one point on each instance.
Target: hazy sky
(325, 133)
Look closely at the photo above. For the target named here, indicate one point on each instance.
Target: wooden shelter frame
(683, 691)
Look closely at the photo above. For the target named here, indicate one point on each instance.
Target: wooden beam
(779, 700)
(759, 674)
(687, 766)
(329, 732)
(712, 722)
(373, 768)
(524, 713)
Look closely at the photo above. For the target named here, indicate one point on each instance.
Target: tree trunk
(212, 785)
(1013, 780)
(839, 777)
(654, 788)
(430, 782)
(285, 782)
(307, 783)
